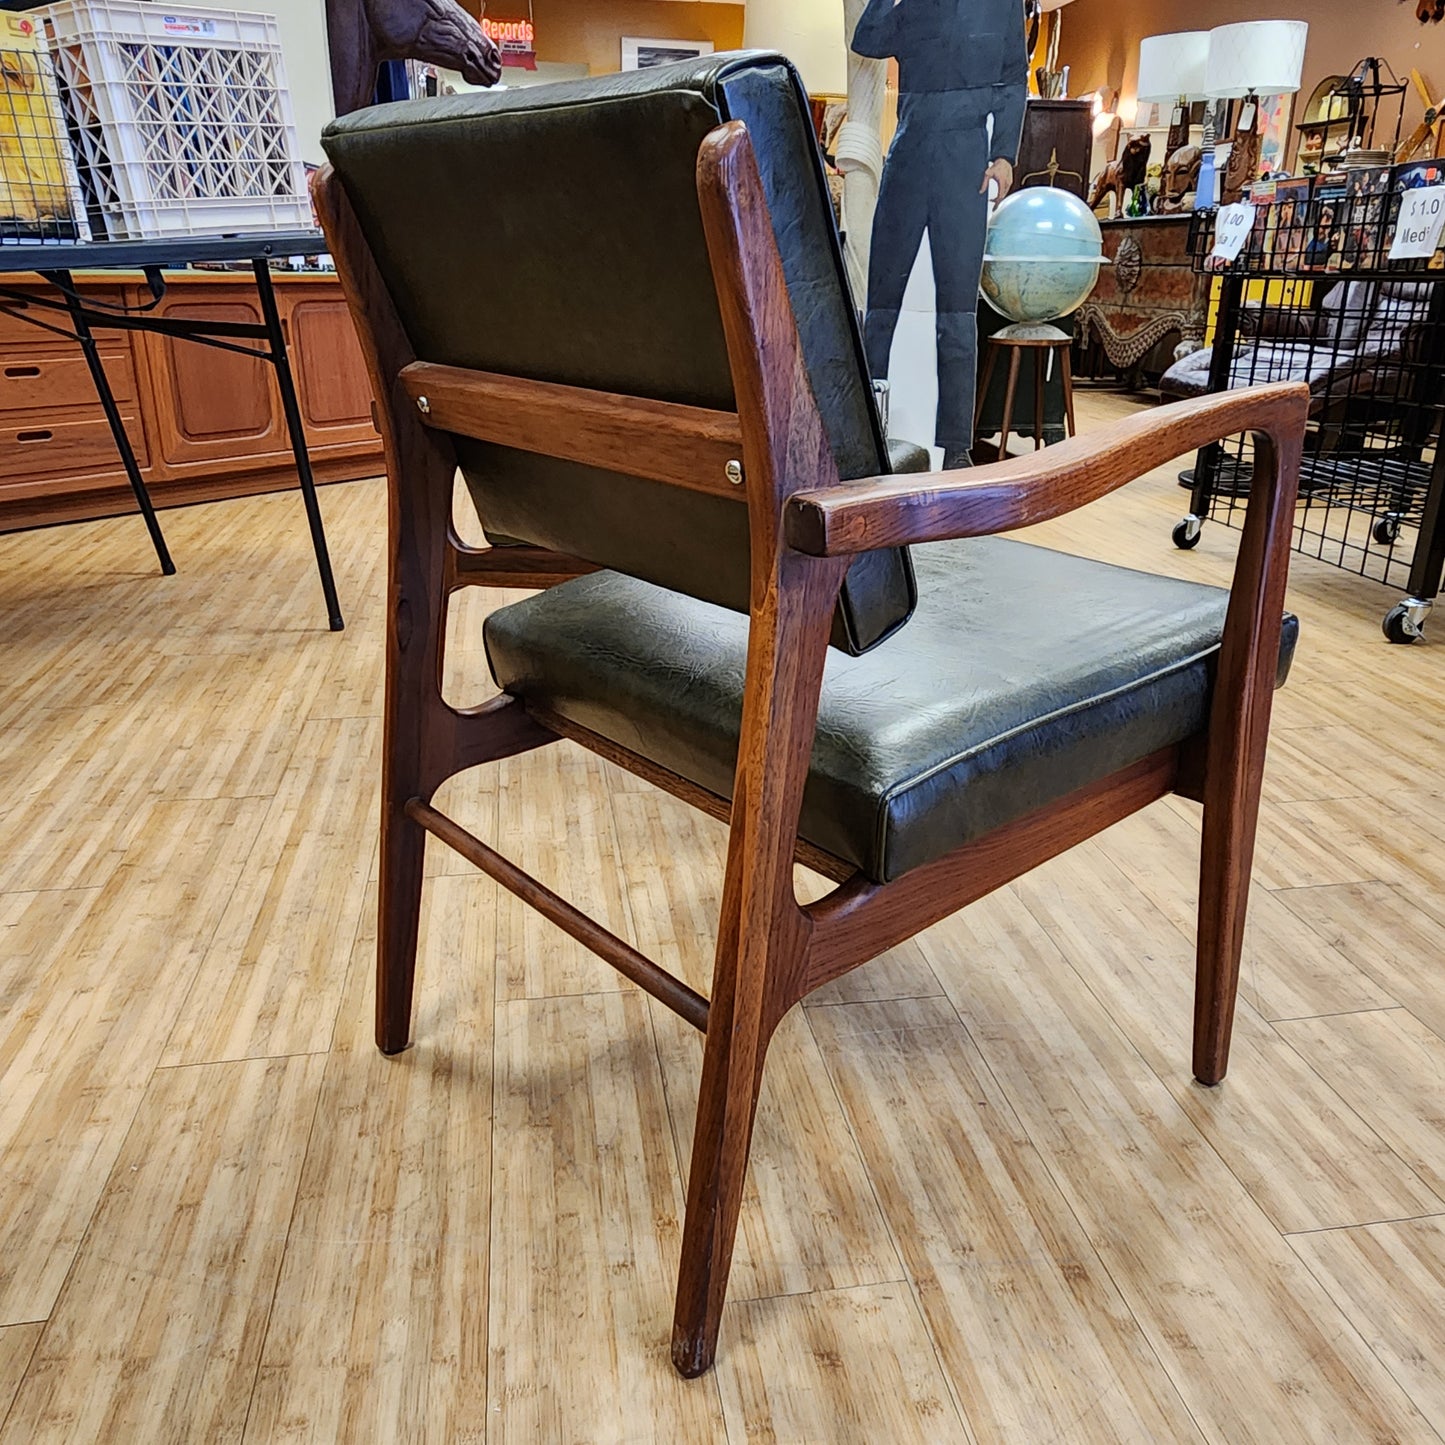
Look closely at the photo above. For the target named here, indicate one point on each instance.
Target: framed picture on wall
(638, 54)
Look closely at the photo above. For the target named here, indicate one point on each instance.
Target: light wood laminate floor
(987, 1203)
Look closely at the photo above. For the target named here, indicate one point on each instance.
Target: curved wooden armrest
(899, 511)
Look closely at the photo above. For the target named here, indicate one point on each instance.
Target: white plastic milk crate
(181, 119)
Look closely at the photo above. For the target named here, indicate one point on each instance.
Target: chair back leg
(425, 740)
(403, 853)
(411, 697)
(763, 935)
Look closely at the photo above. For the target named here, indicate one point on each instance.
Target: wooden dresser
(1150, 306)
(205, 423)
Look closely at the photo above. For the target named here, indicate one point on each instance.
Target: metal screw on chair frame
(423, 406)
(734, 471)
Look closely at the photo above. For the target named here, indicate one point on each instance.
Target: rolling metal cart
(1314, 297)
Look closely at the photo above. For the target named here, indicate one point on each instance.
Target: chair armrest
(938, 506)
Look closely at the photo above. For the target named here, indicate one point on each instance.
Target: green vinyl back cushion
(554, 233)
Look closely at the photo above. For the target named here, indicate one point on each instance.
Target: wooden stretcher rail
(631, 964)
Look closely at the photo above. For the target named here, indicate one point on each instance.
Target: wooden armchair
(1006, 704)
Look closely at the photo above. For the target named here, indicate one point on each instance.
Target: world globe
(1043, 255)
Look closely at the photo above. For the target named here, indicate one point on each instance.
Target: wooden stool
(1042, 341)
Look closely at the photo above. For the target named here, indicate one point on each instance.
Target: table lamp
(1171, 72)
(809, 33)
(1246, 61)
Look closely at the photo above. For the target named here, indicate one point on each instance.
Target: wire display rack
(40, 196)
(1314, 297)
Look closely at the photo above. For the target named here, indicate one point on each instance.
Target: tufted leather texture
(554, 233)
(1024, 675)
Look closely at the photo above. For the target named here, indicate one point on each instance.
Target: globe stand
(1032, 333)
(1046, 342)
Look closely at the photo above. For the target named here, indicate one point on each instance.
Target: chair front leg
(740, 1023)
(763, 935)
(1238, 739)
(1228, 849)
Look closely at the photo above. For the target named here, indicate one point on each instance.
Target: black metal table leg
(280, 359)
(86, 338)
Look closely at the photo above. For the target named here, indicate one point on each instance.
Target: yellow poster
(39, 194)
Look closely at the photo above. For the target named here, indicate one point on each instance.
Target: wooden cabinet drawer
(17, 332)
(36, 444)
(204, 423)
(40, 382)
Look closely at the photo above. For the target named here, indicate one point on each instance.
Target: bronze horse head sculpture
(363, 33)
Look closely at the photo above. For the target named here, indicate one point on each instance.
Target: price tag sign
(1422, 218)
(1232, 226)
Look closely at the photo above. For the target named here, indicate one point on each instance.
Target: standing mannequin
(959, 62)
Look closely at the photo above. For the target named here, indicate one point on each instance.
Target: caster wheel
(1186, 535)
(1400, 627)
(1387, 532)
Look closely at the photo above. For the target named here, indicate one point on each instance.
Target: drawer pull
(18, 371)
(34, 436)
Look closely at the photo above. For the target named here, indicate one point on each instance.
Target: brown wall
(1101, 39)
(589, 32)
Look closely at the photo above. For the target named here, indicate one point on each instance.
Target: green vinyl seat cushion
(1023, 675)
(905, 456)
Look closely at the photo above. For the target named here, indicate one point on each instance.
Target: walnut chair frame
(804, 529)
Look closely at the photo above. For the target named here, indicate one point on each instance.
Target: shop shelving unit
(1356, 110)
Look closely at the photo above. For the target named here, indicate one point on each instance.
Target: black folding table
(70, 315)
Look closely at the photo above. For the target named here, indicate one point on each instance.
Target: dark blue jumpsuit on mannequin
(959, 61)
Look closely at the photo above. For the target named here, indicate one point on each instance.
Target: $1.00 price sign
(1422, 218)
(1232, 226)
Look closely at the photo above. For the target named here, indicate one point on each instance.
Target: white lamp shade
(809, 33)
(1262, 57)
(1173, 65)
